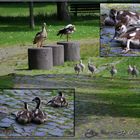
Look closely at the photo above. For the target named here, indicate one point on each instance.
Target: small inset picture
(120, 29)
(36, 112)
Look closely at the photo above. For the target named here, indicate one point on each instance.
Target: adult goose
(69, 29)
(39, 116)
(58, 101)
(130, 37)
(41, 36)
(24, 116)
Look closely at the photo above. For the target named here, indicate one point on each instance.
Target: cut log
(40, 58)
(71, 50)
(58, 54)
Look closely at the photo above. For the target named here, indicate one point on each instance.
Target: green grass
(15, 29)
(22, 9)
(6, 81)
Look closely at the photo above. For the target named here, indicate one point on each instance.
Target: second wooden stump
(40, 58)
(71, 50)
(58, 54)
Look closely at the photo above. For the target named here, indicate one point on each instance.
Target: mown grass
(6, 81)
(15, 28)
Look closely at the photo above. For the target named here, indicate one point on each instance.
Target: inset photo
(37, 112)
(120, 29)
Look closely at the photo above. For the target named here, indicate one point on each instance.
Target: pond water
(60, 120)
(113, 48)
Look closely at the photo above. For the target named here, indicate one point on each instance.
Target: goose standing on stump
(113, 71)
(39, 116)
(135, 71)
(24, 116)
(69, 29)
(129, 70)
(91, 68)
(40, 37)
(77, 68)
(82, 65)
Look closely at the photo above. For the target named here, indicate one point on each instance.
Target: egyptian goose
(41, 36)
(69, 29)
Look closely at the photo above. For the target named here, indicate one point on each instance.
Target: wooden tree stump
(58, 54)
(71, 50)
(40, 58)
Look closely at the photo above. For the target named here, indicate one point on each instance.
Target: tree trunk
(31, 8)
(62, 11)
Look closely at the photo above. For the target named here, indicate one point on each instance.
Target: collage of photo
(69, 69)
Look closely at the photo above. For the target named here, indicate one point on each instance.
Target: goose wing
(37, 38)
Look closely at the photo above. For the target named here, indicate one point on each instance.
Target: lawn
(21, 34)
(105, 105)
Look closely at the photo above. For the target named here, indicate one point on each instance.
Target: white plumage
(69, 29)
(129, 70)
(82, 65)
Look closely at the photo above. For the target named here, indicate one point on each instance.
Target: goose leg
(38, 45)
(41, 44)
(128, 47)
(67, 37)
(113, 37)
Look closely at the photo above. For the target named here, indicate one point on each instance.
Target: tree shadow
(88, 101)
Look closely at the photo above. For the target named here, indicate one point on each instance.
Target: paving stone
(40, 134)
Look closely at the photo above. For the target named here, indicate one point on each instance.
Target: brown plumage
(41, 36)
(24, 116)
(77, 68)
(58, 101)
(39, 116)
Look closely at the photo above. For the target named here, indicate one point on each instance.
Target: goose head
(44, 24)
(60, 93)
(120, 28)
(37, 100)
(80, 61)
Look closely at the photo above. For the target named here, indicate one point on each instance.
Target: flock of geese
(41, 36)
(79, 67)
(38, 116)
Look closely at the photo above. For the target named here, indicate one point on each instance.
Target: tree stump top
(39, 48)
(69, 42)
(53, 45)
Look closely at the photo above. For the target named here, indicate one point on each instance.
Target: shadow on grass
(6, 81)
(94, 96)
(49, 19)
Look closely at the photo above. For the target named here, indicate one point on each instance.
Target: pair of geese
(41, 36)
(37, 115)
(131, 70)
(80, 67)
